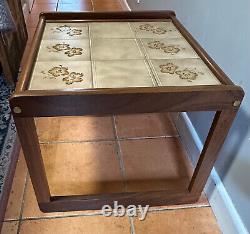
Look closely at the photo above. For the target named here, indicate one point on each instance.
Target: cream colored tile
(183, 72)
(113, 49)
(65, 31)
(122, 73)
(111, 30)
(168, 48)
(64, 50)
(155, 164)
(9, 227)
(77, 225)
(82, 168)
(61, 75)
(155, 30)
(188, 221)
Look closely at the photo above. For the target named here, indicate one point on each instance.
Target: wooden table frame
(26, 104)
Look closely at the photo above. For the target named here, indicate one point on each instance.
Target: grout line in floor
(92, 3)
(119, 154)
(108, 140)
(22, 204)
(132, 227)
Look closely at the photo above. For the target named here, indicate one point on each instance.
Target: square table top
(90, 55)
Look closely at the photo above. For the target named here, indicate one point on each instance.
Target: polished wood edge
(95, 202)
(26, 73)
(107, 15)
(217, 71)
(9, 179)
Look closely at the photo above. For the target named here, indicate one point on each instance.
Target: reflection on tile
(65, 31)
(71, 128)
(144, 125)
(168, 48)
(111, 30)
(155, 164)
(155, 30)
(188, 221)
(61, 75)
(183, 72)
(88, 168)
(112, 49)
(75, 7)
(77, 225)
(69, 50)
(123, 73)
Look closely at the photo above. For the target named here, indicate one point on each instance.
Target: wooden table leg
(29, 140)
(217, 134)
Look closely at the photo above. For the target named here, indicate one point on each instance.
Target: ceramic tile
(88, 168)
(32, 20)
(188, 221)
(110, 5)
(111, 30)
(77, 225)
(16, 194)
(113, 49)
(65, 31)
(31, 209)
(42, 7)
(74, 128)
(64, 50)
(9, 227)
(183, 72)
(155, 30)
(72, 1)
(168, 48)
(144, 125)
(155, 164)
(122, 73)
(75, 7)
(61, 75)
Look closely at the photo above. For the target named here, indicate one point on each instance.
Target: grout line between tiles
(92, 3)
(155, 210)
(119, 154)
(22, 204)
(108, 140)
(132, 227)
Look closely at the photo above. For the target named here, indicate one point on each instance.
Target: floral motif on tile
(184, 74)
(63, 73)
(69, 51)
(71, 31)
(154, 29)
(170, 49)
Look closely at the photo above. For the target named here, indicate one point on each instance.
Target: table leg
(29, 140)
(217, 134)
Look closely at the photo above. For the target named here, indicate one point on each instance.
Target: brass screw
(17, 110)
(236, 103)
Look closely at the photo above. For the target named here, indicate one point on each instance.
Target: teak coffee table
(119, 63)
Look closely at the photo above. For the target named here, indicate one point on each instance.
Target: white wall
(223, 29)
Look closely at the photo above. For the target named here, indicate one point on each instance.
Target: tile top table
(119, 63)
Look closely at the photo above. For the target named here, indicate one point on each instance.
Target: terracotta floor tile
(32, 20)
(155, 164)
(143, 125)
(188, 221)
(31, 32)
(110, 5)
(72, 1)
(74, 128)
(82, 168)
(80, 6)
(43, 7)
(31, 209)
(77, 225)
(46, 1)
(16, 194)
(9, 227)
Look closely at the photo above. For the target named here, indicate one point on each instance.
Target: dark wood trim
(217, 71)
(28, 137)
(216, 137)
(9, 179)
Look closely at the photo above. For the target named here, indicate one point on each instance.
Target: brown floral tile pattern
(67, 29)
(153, 29)
(63, 73)
(64, 47)
(171, 49)
(185, 74)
